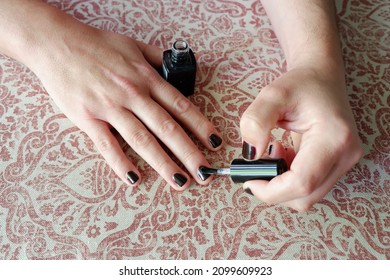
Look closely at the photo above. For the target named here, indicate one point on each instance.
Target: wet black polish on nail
(270, 149)
(201, 174)
(215, 140)
(179, 179)
(248, 151)
(248, 191)
(132, 177)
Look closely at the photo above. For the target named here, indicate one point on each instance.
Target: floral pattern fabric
(60, 200)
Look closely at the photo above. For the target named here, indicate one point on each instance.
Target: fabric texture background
(60, 200)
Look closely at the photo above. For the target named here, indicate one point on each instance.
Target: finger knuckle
(303, 207)
(348, 144)
(104, 144)
(162, 165)
(168, 127)
(345, 136)
(357, 154)
(201, 126)
(141, 138)
(147, 70)
(274, 93)
(133, 89)
(182, 105)
(189, 155)
(250, 122)
(305, 189)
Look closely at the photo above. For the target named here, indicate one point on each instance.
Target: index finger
(186, 113)
(152, 54)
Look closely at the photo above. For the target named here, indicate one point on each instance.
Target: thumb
(256, 124)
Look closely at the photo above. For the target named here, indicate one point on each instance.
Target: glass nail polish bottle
(179, 67)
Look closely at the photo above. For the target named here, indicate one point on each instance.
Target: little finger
(108, 146)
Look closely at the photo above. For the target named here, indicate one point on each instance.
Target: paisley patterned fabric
(60, 200)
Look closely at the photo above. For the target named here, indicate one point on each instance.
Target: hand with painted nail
(310, 100)
(103, 81)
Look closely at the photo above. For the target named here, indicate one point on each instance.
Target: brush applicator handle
(263, 169)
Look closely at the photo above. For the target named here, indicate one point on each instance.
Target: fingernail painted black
(215, 140)
(270, 149)
(201, 174)
(248, 191)
(179, 179)
(132, 177)
(248, 151)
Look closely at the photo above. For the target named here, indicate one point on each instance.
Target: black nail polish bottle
(179, 67)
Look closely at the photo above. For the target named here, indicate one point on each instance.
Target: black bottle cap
(242, 170)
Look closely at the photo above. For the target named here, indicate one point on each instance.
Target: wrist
(325, 59)
(20, 24)
(31, 30)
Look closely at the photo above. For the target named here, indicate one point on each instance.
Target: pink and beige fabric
(60, 200)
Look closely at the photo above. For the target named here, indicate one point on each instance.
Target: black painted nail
(202, 175)
(215, 140)
(132, 177)
(248, 191)
(179, 179)
(248, 151)
(270, 149)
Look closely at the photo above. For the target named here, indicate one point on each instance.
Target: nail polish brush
(241, 170)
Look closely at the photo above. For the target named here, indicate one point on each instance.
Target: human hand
(311, 102)
(102, 80)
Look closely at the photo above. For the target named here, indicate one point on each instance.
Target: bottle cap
(242, 170)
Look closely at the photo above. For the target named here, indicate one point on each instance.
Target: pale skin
(102, 80)
(310, 100)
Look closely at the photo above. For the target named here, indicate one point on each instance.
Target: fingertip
(215, 142)
(257, 122)
(254, 187)
(277, 150)
(270, 192)
(249, 151)
(247, 189)
(180, 181)
(202, 177)
(133, 178)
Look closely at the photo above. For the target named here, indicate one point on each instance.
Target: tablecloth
(60, 200)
